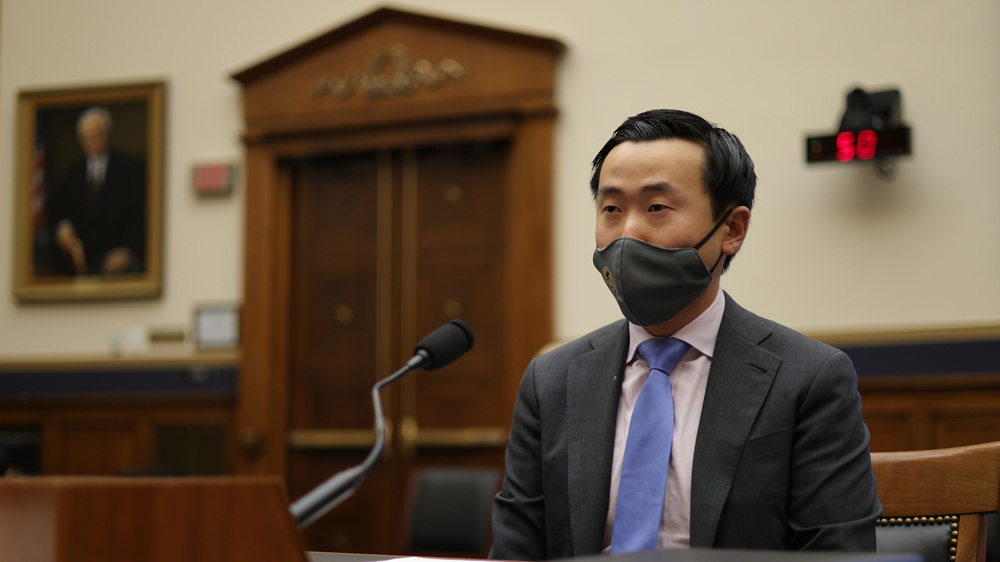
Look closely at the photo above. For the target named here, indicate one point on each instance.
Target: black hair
(728, 172)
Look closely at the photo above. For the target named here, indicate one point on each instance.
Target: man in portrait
(98, 212)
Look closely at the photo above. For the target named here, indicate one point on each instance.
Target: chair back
(935, 501)
(450, 511)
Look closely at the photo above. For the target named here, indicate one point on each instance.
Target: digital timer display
(852, 146)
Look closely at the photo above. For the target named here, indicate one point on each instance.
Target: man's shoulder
(770, 334)
(123, 161)
(604, 346)
(596, 339)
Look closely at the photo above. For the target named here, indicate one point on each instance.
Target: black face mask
(650, 283)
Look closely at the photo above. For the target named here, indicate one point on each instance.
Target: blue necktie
(647, 452)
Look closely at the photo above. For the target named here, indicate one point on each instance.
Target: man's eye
(611, 209)
(656, 208)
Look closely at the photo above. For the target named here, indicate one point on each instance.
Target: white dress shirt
(96, 168)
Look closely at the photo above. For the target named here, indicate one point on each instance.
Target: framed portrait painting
(89, 202)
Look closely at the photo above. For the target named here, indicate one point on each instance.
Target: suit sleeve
(832, 501)
(519, 507)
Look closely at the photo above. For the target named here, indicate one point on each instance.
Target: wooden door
(398, 174)
(387, 246)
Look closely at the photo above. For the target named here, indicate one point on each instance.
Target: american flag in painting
(38, 184)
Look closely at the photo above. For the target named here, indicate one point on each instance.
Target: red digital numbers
(845, 146)
(866, 144)
(862, 146)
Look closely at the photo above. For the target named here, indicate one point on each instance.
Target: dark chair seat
(933, 538)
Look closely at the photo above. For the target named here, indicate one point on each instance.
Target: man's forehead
(92, 122)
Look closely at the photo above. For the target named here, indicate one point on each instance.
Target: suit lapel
(593, 385)
(738, 382)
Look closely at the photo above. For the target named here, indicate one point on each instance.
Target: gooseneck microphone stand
(439, 348)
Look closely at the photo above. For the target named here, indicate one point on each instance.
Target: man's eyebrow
(608, 190)
(662, 187)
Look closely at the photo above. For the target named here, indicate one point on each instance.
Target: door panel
(460, 255)
(464, 393)
(333, 292)
(460, 206)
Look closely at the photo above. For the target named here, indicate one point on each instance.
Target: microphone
(437, 349)
(444, 345)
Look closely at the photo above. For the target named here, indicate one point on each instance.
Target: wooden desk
(682, 555)
(97, 519)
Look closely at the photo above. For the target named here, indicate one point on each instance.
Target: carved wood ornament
(390, 73)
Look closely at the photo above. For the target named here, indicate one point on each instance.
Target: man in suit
(769, 449)
(99, 212)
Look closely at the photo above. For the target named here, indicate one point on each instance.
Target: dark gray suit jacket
(781, 459)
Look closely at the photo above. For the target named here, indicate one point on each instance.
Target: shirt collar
(700, 333)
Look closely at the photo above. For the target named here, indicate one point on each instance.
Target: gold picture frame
(89, 228)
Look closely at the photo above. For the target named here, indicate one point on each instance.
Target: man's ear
(736, 230)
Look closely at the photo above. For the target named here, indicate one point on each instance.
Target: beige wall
(831, 248)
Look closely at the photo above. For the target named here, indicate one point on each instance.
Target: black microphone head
(446, 344)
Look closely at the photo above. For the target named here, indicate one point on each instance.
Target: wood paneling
(914, 412)
(97, 446)
(107, 416)
(927, 389)
(108, 438)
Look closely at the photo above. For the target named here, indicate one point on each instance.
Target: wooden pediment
(394, 66)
